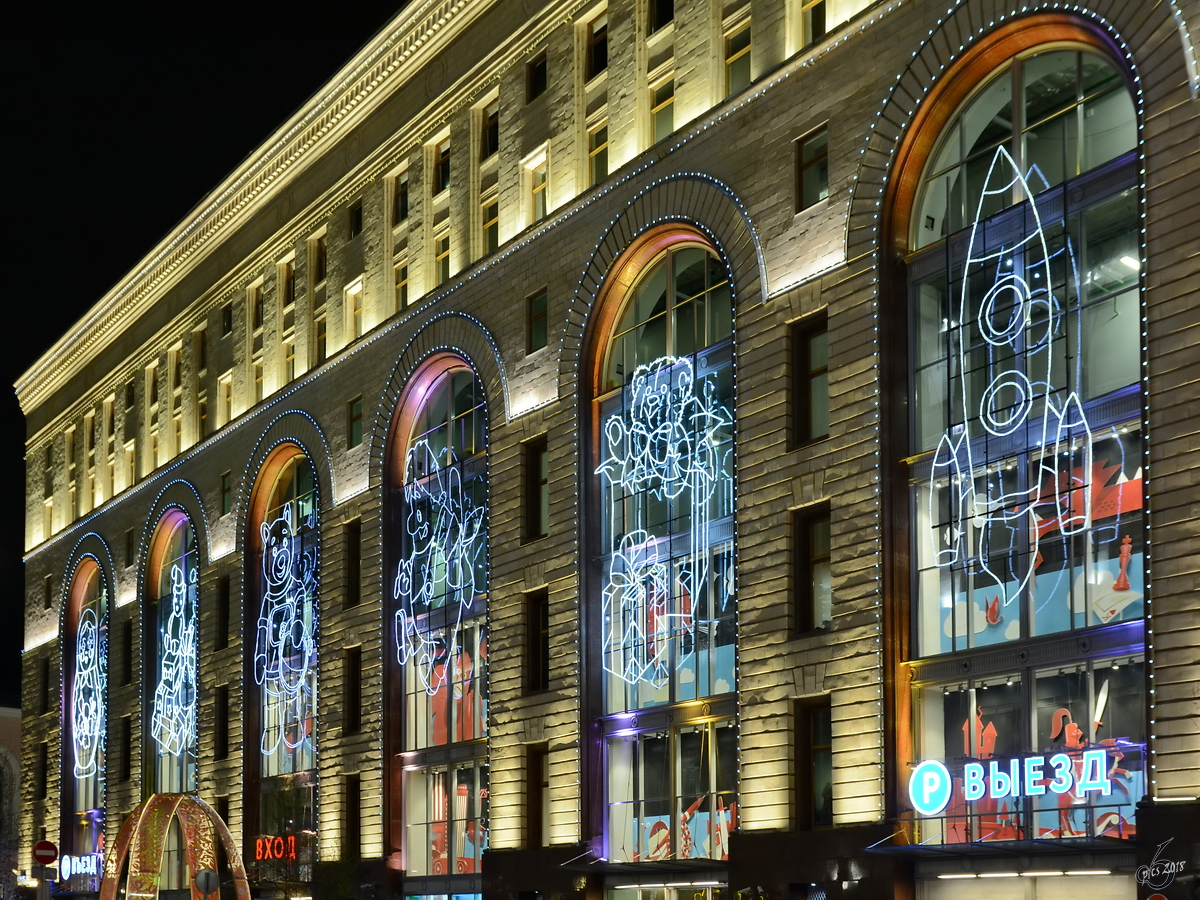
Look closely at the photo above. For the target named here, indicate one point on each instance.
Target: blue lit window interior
(285, 665)
(667, 625)
(440, 594)
(86, 726)
(1026, 324)
(173, 706)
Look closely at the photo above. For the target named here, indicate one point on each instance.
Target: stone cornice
(395, 53)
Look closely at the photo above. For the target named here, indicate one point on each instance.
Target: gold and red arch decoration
(144, 835)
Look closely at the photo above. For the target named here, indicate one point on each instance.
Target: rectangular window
(320, 259)
(490, 224)
(130, 399)
(130, 463)
(289, 360)
(256, 369)
(539, 179)
(537, 489)
(225, 398)
(441, 167)
(47, 687)
(320, 339)
(130, 547)
(352, 700)
(354, 410)
(226, 493)
(200, 349)
(441, 257)
(737, 60)
(152, 383)
(400, 199)
(47, 592)
(662, 110)
(353, 563)
(814, 592)
(812, 21)
(537, 795)
(126, 748)
(535, 77)
(814, 764)
(227, 320)
(401, 278)
(536, 322)
(489, 135)
(256, 307)
(221, 723)
(127, 652)
(354, 308)
(810, 378)
(202, 415)
(597, 45)
(537, 641)
(812, 169)
(43, 772)
(352, 828)
(223, 612)
(598, 153)
(287, 283)
(661, 13)
(355, 219)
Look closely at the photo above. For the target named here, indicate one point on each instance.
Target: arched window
(86, 693)
(667, 608)
(281, 786)
(173, 587)
(1025, 445)
(439, 503)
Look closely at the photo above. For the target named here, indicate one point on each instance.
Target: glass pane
(1049, 84)
(987, 121)
(690, 267)
(1109, 127)
(1052, 151)
(818, 423)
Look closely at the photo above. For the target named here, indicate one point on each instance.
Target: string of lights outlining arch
(446, 539)
(664, 444)
(173, 716)
(285, 636)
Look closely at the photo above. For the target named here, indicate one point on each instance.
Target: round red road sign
(44, 853)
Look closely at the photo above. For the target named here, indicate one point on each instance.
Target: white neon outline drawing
(285, 647)
(980, 511)
(664, 444)
(447, 536)
(87, 694)
(173, 718)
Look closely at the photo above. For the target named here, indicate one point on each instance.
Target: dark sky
(121, 118)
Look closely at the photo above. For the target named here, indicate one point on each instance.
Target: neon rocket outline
(954, 456)
(663, 444)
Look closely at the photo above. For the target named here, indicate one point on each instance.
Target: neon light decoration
(173, 719)
(667, 446)
(285, 649)
(445, 559)
(87, 693)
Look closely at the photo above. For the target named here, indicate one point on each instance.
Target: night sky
(121, 119)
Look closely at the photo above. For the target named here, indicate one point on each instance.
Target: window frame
(804, 563)
(802, 166)
(801, 334)
(537, 77)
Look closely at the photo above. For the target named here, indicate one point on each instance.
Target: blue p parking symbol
(929, 787)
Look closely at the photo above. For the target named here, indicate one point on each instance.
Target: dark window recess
(287, 286)
(320, 260)
(812, 17)
(537, 322)
(812, 169)
(130, 397)
(47, 691)
(223, 808)
(810, 379)
(226, 319)
(352, 677)
(221, 723)
(489, 138)
(441, 167)
(353, 563)
(537, 641)
(130, 547)
(597, 48)
(400, 200)
(127, 652)
(814, 593)
(43, 771)
(537, 794)
(537, 489)
(535, 77)
(202, 350)
(223, 612)
(126, 748)
(351, 847)
(354, 431)
(356, 219)
(47, 592)
(226, 493)
(662, 12)
(814, 764)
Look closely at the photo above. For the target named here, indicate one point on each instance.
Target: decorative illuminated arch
(143, 837)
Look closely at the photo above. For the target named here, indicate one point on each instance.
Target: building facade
(645, 449)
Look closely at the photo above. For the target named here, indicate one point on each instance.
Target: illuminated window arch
(665, 604)
(438, 498)
(282, 616)
(1025, 447)
(85, 726)
(172, 582)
